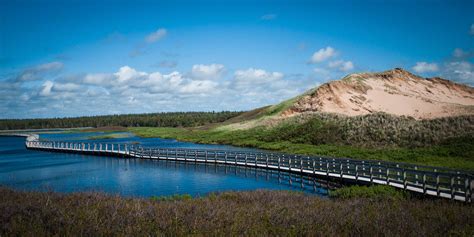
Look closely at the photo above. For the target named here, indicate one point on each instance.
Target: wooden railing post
(357, 172)
(424, 183)
(405, 182)
(327, 167)
(340, 169)
(452, 187)
(437, 185)
(467, 190)
(371, 173)
(398, 172)
(416, 175)
(388, 175)
(301, 164)
(289, 163)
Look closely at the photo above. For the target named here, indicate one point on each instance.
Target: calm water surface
(62, 172)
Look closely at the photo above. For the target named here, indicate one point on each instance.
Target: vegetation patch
(110, 136)
(255, 213)
(372, 192)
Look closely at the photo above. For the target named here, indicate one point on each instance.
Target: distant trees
(174, 119)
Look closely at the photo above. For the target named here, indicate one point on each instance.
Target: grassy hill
(447, 142)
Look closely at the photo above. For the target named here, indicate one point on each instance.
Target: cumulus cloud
(129, 90)
(127, 73)
(323, 54)
(422, 67)
(254, 77)
(46, 90)
(157, 35)
(268, 17)
(210, 72)
(98, 78)
(341, 65)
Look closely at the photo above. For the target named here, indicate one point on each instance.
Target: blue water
(24, 169)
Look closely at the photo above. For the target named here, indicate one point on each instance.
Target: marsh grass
(255, 213)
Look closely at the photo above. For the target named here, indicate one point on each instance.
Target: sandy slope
(395, 92)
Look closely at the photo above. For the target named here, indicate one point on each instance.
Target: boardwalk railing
(434, 181)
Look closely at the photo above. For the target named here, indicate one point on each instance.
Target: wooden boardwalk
(433, 181)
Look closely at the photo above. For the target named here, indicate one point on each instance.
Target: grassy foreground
(452, 153)
(253, 213)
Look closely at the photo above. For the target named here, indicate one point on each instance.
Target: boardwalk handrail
(435, 181)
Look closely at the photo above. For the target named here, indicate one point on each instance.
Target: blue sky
(71, 58)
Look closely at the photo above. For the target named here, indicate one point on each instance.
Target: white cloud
(341, 65)
(254, 77)
(157, 35)
(98, 78)
(157, 83)
(47, 86)
(127, 73)
(323, 54)
(422, 67)
(129, 90)
(472, 29)
(207, 72)
(268, 17)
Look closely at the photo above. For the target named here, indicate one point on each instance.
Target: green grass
(110, 135)
(372, 192)
(255, 213)
(457, 153)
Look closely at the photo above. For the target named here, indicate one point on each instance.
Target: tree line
(170, 119)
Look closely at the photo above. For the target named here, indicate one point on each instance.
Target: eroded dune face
(395, 92)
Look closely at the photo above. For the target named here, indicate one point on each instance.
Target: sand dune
(395, 92)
